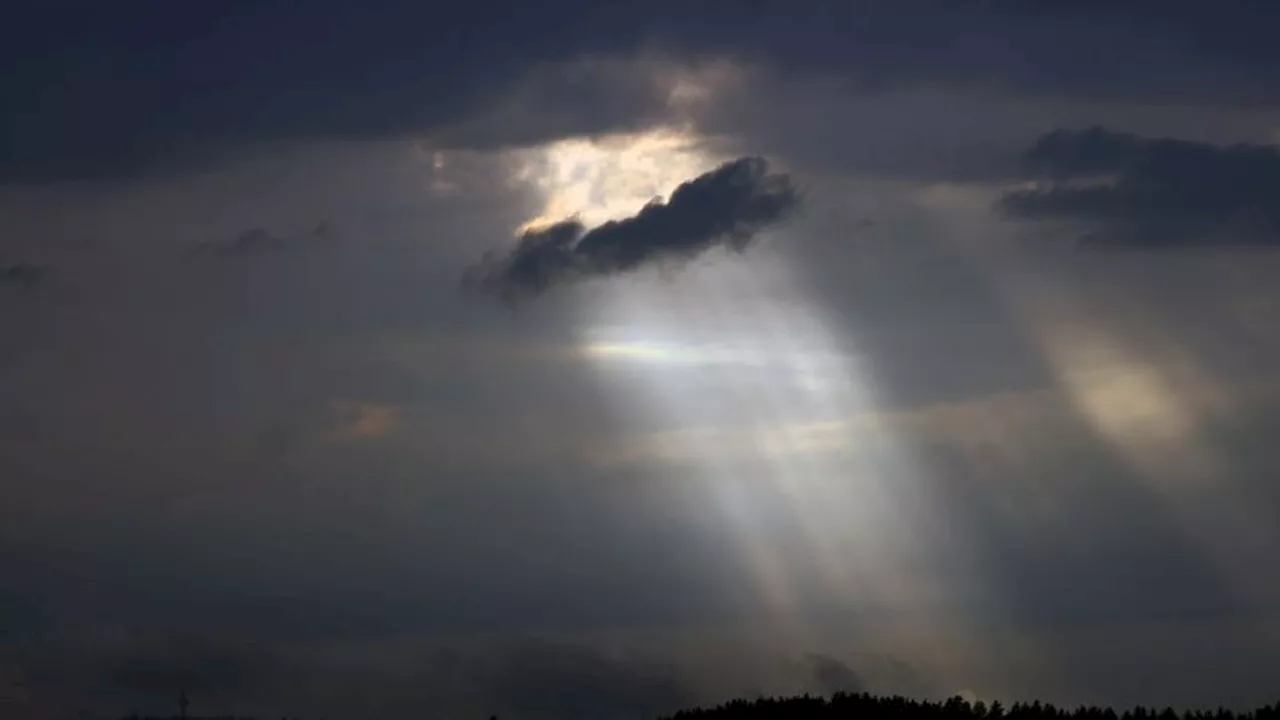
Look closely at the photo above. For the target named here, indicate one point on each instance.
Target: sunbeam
(1156, 409)
(763, 410)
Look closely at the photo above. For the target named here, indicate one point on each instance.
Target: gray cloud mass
(218, 82)
(1152, 192)
(727, 206)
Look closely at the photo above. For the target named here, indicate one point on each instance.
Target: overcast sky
(572, 359)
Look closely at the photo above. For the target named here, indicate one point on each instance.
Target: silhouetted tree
(863, 706)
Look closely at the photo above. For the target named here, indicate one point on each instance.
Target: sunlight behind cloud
(608, 178)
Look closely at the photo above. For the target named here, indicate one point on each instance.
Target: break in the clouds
(727, 206)
(1152, 192)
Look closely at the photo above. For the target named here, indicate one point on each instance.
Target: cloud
(1134, 191)
(23, 274)
(361, 421)
(255, 241)
(197, 663)
(554, 680)
(249, 242)
(525, 680)
(833, 676)
(727, 206)
(391, 71)
(395, 71)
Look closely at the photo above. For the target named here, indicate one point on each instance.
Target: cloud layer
(727, 206)
(1135, 191)
(168, 85)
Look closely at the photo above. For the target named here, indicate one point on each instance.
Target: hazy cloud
(255, 241)
(832, 676)
(197, 663)
(1129, 190)
(250, 241)
(524, 679)
(727, 206)
(360, 421)
(552, 680)
(22, 274)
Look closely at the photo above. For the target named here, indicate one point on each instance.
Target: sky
(594, 360)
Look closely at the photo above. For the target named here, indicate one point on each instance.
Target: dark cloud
(727, 206)
(1135, 191)
(168, 85)
(23, 274)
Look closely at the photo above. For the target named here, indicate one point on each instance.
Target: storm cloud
(221, 85)
(1135, 191)
(726, 207)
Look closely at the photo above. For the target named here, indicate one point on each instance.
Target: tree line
(864, 706)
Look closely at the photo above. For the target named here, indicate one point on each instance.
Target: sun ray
(755, 393)
(1152, 411)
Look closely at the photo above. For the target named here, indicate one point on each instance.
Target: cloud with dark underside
(727, 206)
(1127, 190)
